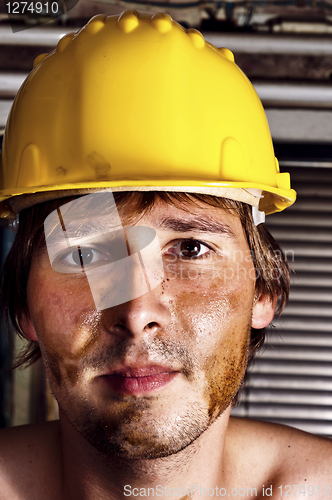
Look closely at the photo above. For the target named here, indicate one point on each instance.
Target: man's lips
(139, 380)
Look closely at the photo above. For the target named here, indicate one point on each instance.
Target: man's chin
(145, 439)
(139, 447)
(137, 437)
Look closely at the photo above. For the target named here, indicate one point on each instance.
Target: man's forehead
(100, 212)
(191, 216)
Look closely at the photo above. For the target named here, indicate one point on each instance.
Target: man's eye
(78, 257)
(82, 256)
(189, 249)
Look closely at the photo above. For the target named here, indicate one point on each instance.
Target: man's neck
(88, 474)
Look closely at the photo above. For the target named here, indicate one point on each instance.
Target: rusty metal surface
(285, 66)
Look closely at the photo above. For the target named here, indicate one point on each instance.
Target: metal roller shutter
(291, 380)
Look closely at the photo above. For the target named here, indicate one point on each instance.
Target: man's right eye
(82, 256)
(79, 258)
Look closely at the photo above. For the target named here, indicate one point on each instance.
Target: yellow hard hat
(137, 102)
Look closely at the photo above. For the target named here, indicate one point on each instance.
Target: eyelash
(192, 240)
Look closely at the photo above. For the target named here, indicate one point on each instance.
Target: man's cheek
(224, 376)
(53, 362)
(65, 337)
(60, 365)
(208, 318)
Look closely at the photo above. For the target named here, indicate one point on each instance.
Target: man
(140, 161)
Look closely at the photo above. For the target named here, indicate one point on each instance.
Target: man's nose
(147, 314)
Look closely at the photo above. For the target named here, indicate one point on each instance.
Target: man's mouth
(139, 380)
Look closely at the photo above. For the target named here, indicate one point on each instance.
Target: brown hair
(272, 269)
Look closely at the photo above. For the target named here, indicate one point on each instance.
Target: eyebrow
(79, 228)
(196, 224)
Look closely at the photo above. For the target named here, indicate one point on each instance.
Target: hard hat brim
(270, 201)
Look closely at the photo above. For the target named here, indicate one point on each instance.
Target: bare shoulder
(283, 455)
(27, 452)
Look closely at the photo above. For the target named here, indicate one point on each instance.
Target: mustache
(158, 351)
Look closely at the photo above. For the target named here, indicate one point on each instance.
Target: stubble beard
(135, 431)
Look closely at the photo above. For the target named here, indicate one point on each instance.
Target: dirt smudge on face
(72, 373)
(223, 359)
(86, 335)
(224, 375)
(65, 363)
(53, 363)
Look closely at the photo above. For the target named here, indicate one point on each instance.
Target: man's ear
(27, 327)
(263, 311)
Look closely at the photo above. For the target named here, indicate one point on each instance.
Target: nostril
(117, 329)
(151, 325)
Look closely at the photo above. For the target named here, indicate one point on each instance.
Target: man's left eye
(189, 249)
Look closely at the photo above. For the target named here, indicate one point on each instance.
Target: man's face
(146, 377)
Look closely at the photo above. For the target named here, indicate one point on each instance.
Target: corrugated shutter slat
(291, 379)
